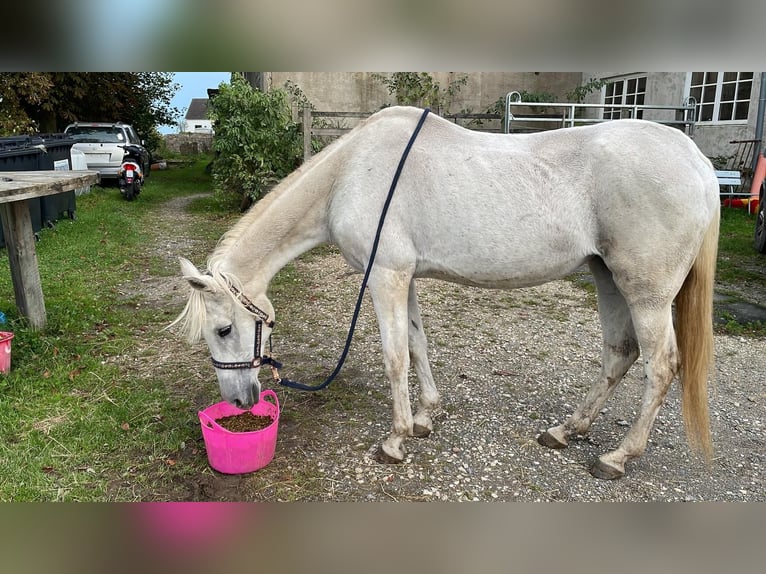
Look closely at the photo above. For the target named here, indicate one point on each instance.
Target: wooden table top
(21, 185)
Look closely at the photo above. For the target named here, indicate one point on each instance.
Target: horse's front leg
(389, 291)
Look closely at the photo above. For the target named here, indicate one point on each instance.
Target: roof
(197, 109)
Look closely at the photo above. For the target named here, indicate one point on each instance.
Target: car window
(96, 134)
(132, 137)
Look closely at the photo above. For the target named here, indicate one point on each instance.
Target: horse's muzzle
(242, 397)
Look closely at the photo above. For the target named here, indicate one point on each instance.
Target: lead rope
(301, 386)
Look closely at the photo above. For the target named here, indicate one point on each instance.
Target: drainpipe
(759, 121)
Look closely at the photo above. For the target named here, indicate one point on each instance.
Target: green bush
(256, 140)
(421, 89)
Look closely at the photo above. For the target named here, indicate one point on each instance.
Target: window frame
(624, 80)
(717, 100)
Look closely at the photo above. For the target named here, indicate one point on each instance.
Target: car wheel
(760, 224)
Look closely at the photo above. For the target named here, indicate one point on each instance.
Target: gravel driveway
(508, 364)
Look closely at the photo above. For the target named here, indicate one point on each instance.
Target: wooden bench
(730, 182)
(729, 178)
(16, 189)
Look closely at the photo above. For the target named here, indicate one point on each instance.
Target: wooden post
(22, 256)
(306, 133)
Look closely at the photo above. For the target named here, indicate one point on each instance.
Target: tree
(256, 140)
(17, 92)
(46, 102)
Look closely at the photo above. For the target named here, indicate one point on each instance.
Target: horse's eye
(223, 331)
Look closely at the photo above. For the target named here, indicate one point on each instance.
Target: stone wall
(189, 143)
(361, 92)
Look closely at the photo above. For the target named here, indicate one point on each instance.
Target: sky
(193, 85)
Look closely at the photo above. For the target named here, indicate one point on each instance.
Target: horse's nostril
(238, 403)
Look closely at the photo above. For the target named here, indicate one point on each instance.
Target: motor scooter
(131, 174)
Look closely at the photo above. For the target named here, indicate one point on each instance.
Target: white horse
(635, 200)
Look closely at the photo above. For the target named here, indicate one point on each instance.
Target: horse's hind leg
(429, 396)
(658, 344)
(619, 352)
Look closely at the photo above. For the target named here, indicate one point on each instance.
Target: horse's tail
(694, 332)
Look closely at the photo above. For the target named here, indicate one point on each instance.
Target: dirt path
(508, 365)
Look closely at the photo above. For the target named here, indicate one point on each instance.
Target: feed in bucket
(232, 452)
(245, 422)
(5, 352)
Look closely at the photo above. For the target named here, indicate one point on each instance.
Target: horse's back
(514, 210)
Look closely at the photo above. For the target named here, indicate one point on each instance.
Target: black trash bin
(22, 153)
(57, 155)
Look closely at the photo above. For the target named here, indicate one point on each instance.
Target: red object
(749, 203)
(760, 173)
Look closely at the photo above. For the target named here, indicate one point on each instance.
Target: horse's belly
(500, 273)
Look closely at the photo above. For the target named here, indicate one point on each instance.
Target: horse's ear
(197, 280)
(187, 268)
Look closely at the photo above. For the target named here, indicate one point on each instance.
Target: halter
(257, 361)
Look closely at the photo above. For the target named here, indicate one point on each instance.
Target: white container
(79, 162)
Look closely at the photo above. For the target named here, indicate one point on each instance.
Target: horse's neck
(286, 223)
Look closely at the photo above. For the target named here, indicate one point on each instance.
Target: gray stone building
(726, 107)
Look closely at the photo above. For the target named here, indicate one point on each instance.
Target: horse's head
(235, 327)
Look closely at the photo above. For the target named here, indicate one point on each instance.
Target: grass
(71, 422)
(738, 264)
(737, 259)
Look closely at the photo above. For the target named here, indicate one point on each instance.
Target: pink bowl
(240, 452)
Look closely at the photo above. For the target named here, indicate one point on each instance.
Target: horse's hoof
(547, 439)
(420, 431)
(383, 457)
(606, 471)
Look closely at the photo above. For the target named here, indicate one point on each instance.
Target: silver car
(101, 141)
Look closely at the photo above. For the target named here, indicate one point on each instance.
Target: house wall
(205, 126)
(360, 91)
(715, 140)
(669, 88)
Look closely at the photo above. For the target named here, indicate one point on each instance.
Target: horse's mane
(190, 321)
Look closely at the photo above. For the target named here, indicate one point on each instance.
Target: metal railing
(551, 115)
(565, 114)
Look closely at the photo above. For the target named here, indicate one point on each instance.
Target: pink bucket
(5, 352)
(240, 452)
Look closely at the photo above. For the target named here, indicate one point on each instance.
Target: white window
(624, 91)
(721, 96)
